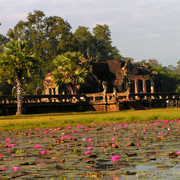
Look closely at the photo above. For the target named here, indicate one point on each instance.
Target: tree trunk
(19, 91)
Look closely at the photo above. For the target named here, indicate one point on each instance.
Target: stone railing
(93, 97)
(108, 98)
(158, 95)
(44, 99)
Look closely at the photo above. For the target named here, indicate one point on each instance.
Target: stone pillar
(94, 97)
(152, 87)
(144, 86)
(56, 90)
(136, 85)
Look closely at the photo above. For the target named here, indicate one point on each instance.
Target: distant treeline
(51, 36)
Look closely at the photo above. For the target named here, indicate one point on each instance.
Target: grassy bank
(65, 119)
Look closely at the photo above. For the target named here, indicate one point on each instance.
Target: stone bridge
(83, 102)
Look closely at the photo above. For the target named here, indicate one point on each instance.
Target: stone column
(152, 87)
(144, 85)
(56, 90)
(136, 85)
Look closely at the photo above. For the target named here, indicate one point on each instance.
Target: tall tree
(85, 42)
(17, 63)
(105, 50)
(70, 70)
(47, 37)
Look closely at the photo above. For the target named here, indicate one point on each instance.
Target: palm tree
(70, 70)
(16, 63)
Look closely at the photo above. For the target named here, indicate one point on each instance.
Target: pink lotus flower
(113, 139)
(37, 146)
(67, 137)
(43, 152)
(3, 168)
(178, 153)
(101, 144)
(12, 145)
(89, 140)
(62, 137)
(7, 140)
(1, 155)
(113, 145)
(15, 168)
(87, 152)
(159, 133)
(89, 148)
(115, 158)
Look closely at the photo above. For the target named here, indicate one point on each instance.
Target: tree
(46, 37)
(105, 50)
(85, 41)
(69, 70)
(17, 63)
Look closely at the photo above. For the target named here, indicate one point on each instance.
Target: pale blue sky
(141, 29)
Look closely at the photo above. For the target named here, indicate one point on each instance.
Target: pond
(141, 150)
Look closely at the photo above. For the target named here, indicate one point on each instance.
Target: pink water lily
(115, 158)
(3, 169)
(15, 168)
(7, 140)
(113, 139)
(89, 148)
(89, 140)
(87, 152)
(12, 145)
(37, 146)
(178, 153)
(43, 152)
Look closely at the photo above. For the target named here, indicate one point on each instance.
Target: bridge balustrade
(44, 99)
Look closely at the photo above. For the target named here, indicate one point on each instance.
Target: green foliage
(169, 79)
(69, 69)
(48, 37)
(5, 87)
(16, 59)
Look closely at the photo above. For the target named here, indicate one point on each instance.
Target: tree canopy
(17, 62)
(70, 70)
(49, 37)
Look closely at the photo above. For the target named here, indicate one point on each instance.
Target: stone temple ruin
(112, 76)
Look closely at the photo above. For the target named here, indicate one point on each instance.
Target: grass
(64, 119)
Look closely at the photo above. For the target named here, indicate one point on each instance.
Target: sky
(140, 29)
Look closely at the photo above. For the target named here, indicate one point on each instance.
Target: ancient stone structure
(124, 76)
